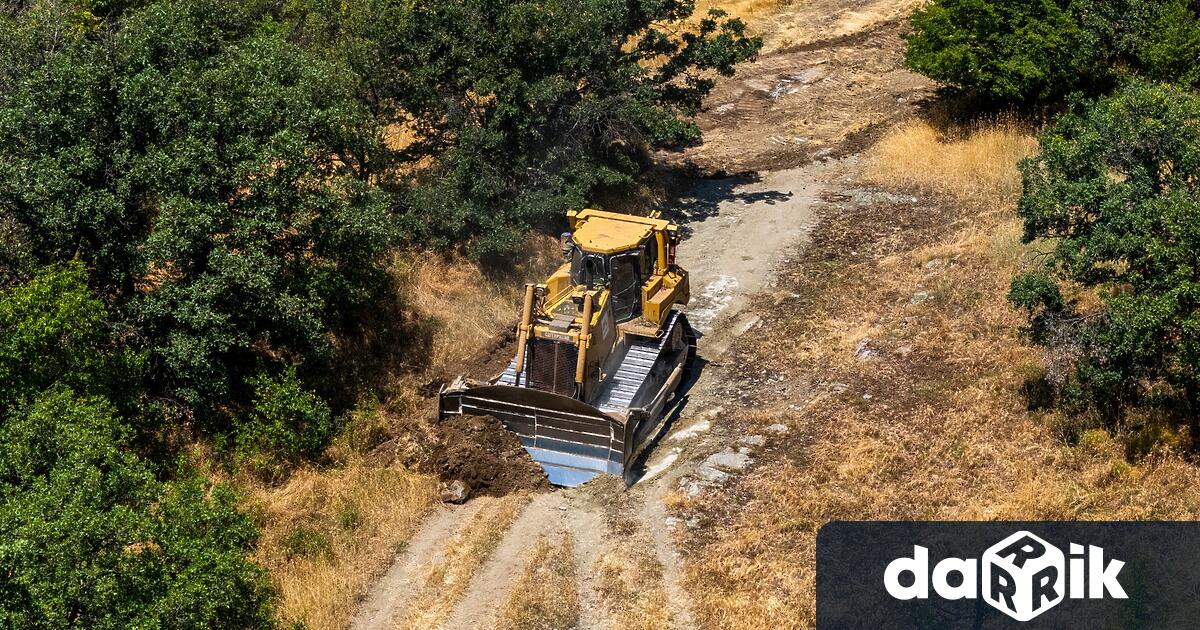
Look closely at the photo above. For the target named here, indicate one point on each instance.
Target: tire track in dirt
(390, 596)
(587, 526)
(490, 585)
(653, 515)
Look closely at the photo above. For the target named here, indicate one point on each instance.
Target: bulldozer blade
(571, 440)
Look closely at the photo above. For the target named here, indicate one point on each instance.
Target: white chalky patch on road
(692, 431)
(714, 298)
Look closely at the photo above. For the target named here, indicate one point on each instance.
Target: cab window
(590, 270)
(649, 257)
(626, 286)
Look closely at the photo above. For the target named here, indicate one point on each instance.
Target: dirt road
(791, 125)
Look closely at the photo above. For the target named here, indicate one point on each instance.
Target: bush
(93, 540)
(1016, 51)
(306, 541)
(287, 423)
(53, 331)
(1115, 187)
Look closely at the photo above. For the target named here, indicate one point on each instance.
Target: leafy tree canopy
(190, 157)
(1017, 51)
(53, 331)
(527, 108)
(1116, 187)
(93, 540)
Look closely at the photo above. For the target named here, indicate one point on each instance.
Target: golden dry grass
(544, 595)
(331, 532)
(468, 307)
(628, 580)
(933, 428)
(444, 582)
(975, 165)
(746, 9)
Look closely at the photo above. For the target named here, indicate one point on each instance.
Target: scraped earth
(781, 139)
(488, 460)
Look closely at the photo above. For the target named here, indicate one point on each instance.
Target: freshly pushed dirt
(481, 453)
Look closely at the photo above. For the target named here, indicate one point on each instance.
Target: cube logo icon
(1023, 576)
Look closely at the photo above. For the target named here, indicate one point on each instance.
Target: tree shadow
(703, 197)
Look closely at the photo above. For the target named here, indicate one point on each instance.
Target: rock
(670, 521)
(690, 487)
(753, 440)
(745, 450)
(711, 475)
(863, 350)
(935, 264)
(454, 491)
(692, 431)
(778, 428)
(919, 296)
(727, 460)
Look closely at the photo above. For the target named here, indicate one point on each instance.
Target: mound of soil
(488, 458)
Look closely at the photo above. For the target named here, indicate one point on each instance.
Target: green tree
(1116, 189)
(526, 108)
(1013, 51)
(1006, 50)
(286, 423)
(190, 155)
(93, 540)
(53, 331)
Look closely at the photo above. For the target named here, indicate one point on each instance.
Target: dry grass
(331, 532)
(467, 306)
(445, 581)
(628, 580)
(748, 10)
(544, 595)
(975, 165)
(935, 426)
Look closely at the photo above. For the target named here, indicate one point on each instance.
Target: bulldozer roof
(603, 232)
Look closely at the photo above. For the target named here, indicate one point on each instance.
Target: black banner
(1008, 575)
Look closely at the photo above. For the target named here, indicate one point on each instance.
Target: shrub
(52, 330)
(93, 540)
(1116, 188)
(306, 541)
(287, 423)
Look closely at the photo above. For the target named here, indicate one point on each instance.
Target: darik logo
(1023, 576)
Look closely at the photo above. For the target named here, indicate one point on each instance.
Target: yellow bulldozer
(601, 350)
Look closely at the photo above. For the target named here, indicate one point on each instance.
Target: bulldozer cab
(619, 255)
(623, 274)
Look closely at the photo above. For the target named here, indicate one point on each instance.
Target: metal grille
(552, 366)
